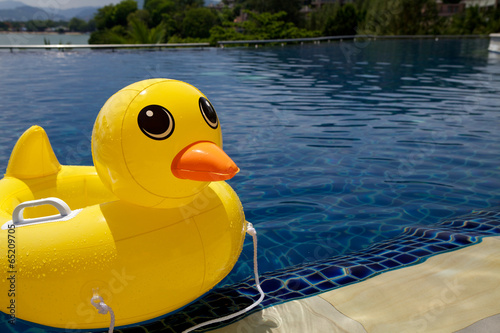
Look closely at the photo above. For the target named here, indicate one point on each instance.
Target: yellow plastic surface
(33, 145)
(125, 158)
(145, 261)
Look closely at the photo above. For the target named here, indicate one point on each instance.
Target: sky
(64, 4)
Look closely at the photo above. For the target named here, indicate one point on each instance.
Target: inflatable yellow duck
(152, 225)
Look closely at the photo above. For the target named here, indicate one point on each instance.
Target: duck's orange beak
(203, 161)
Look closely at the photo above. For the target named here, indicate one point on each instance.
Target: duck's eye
(208, 112)
(156, 122)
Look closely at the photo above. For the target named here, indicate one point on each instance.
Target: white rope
(103, 309)
(252, 232)
(98, 302)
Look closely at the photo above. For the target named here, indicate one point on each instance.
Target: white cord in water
(252, 232)
(103, 308)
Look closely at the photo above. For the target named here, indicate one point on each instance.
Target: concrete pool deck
(457, 291)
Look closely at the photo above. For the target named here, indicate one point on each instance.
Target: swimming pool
(344, 147)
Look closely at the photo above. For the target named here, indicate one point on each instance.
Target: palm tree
(139, 32)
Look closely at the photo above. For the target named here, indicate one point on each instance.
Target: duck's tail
(32, 156)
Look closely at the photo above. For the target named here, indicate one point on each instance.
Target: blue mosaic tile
(390, 263)
(332, 272)
(297, 284)
(376, 267)
(405, 259)
(315, 278)
(327, 285)
(271, 285)
(311, 290)
(360, 272)
(344, 280)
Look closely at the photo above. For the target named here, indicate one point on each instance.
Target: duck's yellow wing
(33, 156)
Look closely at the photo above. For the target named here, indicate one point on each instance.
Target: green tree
(226, 31)
(259, 26)
(494, 21)
(115, 35)
(16, 26)
(158, 8)
(112, 22)
(227, 14)
(318, 18)
(139, 33)
(401, 17)
(265, 25)
(473, 22)
(42, 25)
(191, 3)
(171, 13)
(291, 8)
(111, 15)
(198, 22)
(79, 25)
(104, 17)
(91, 25)
(162, 9)
(344, 22)
(141, 15)
(122, 10)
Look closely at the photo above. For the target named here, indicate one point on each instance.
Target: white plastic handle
(62, 207)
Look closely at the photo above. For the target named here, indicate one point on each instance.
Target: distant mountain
(11, 4)
(18, 11)
(84, 13)
(26, 13)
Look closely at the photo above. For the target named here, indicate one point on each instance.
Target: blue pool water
(342, 146)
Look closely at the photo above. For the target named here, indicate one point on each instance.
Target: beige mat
(307, 315)
(455, 291)
(444, 294)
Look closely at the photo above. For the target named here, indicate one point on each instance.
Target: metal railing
(63, 47)
(339, 38)
(285, 40)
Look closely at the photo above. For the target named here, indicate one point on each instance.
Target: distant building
(449, 9)
(312, 5)
(242, 18)
(60, 29)
(218, 4)
(319, 3)
(482, 3)
(229, 3)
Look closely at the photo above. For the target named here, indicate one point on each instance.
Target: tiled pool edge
(412, 247)
(455, 291)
